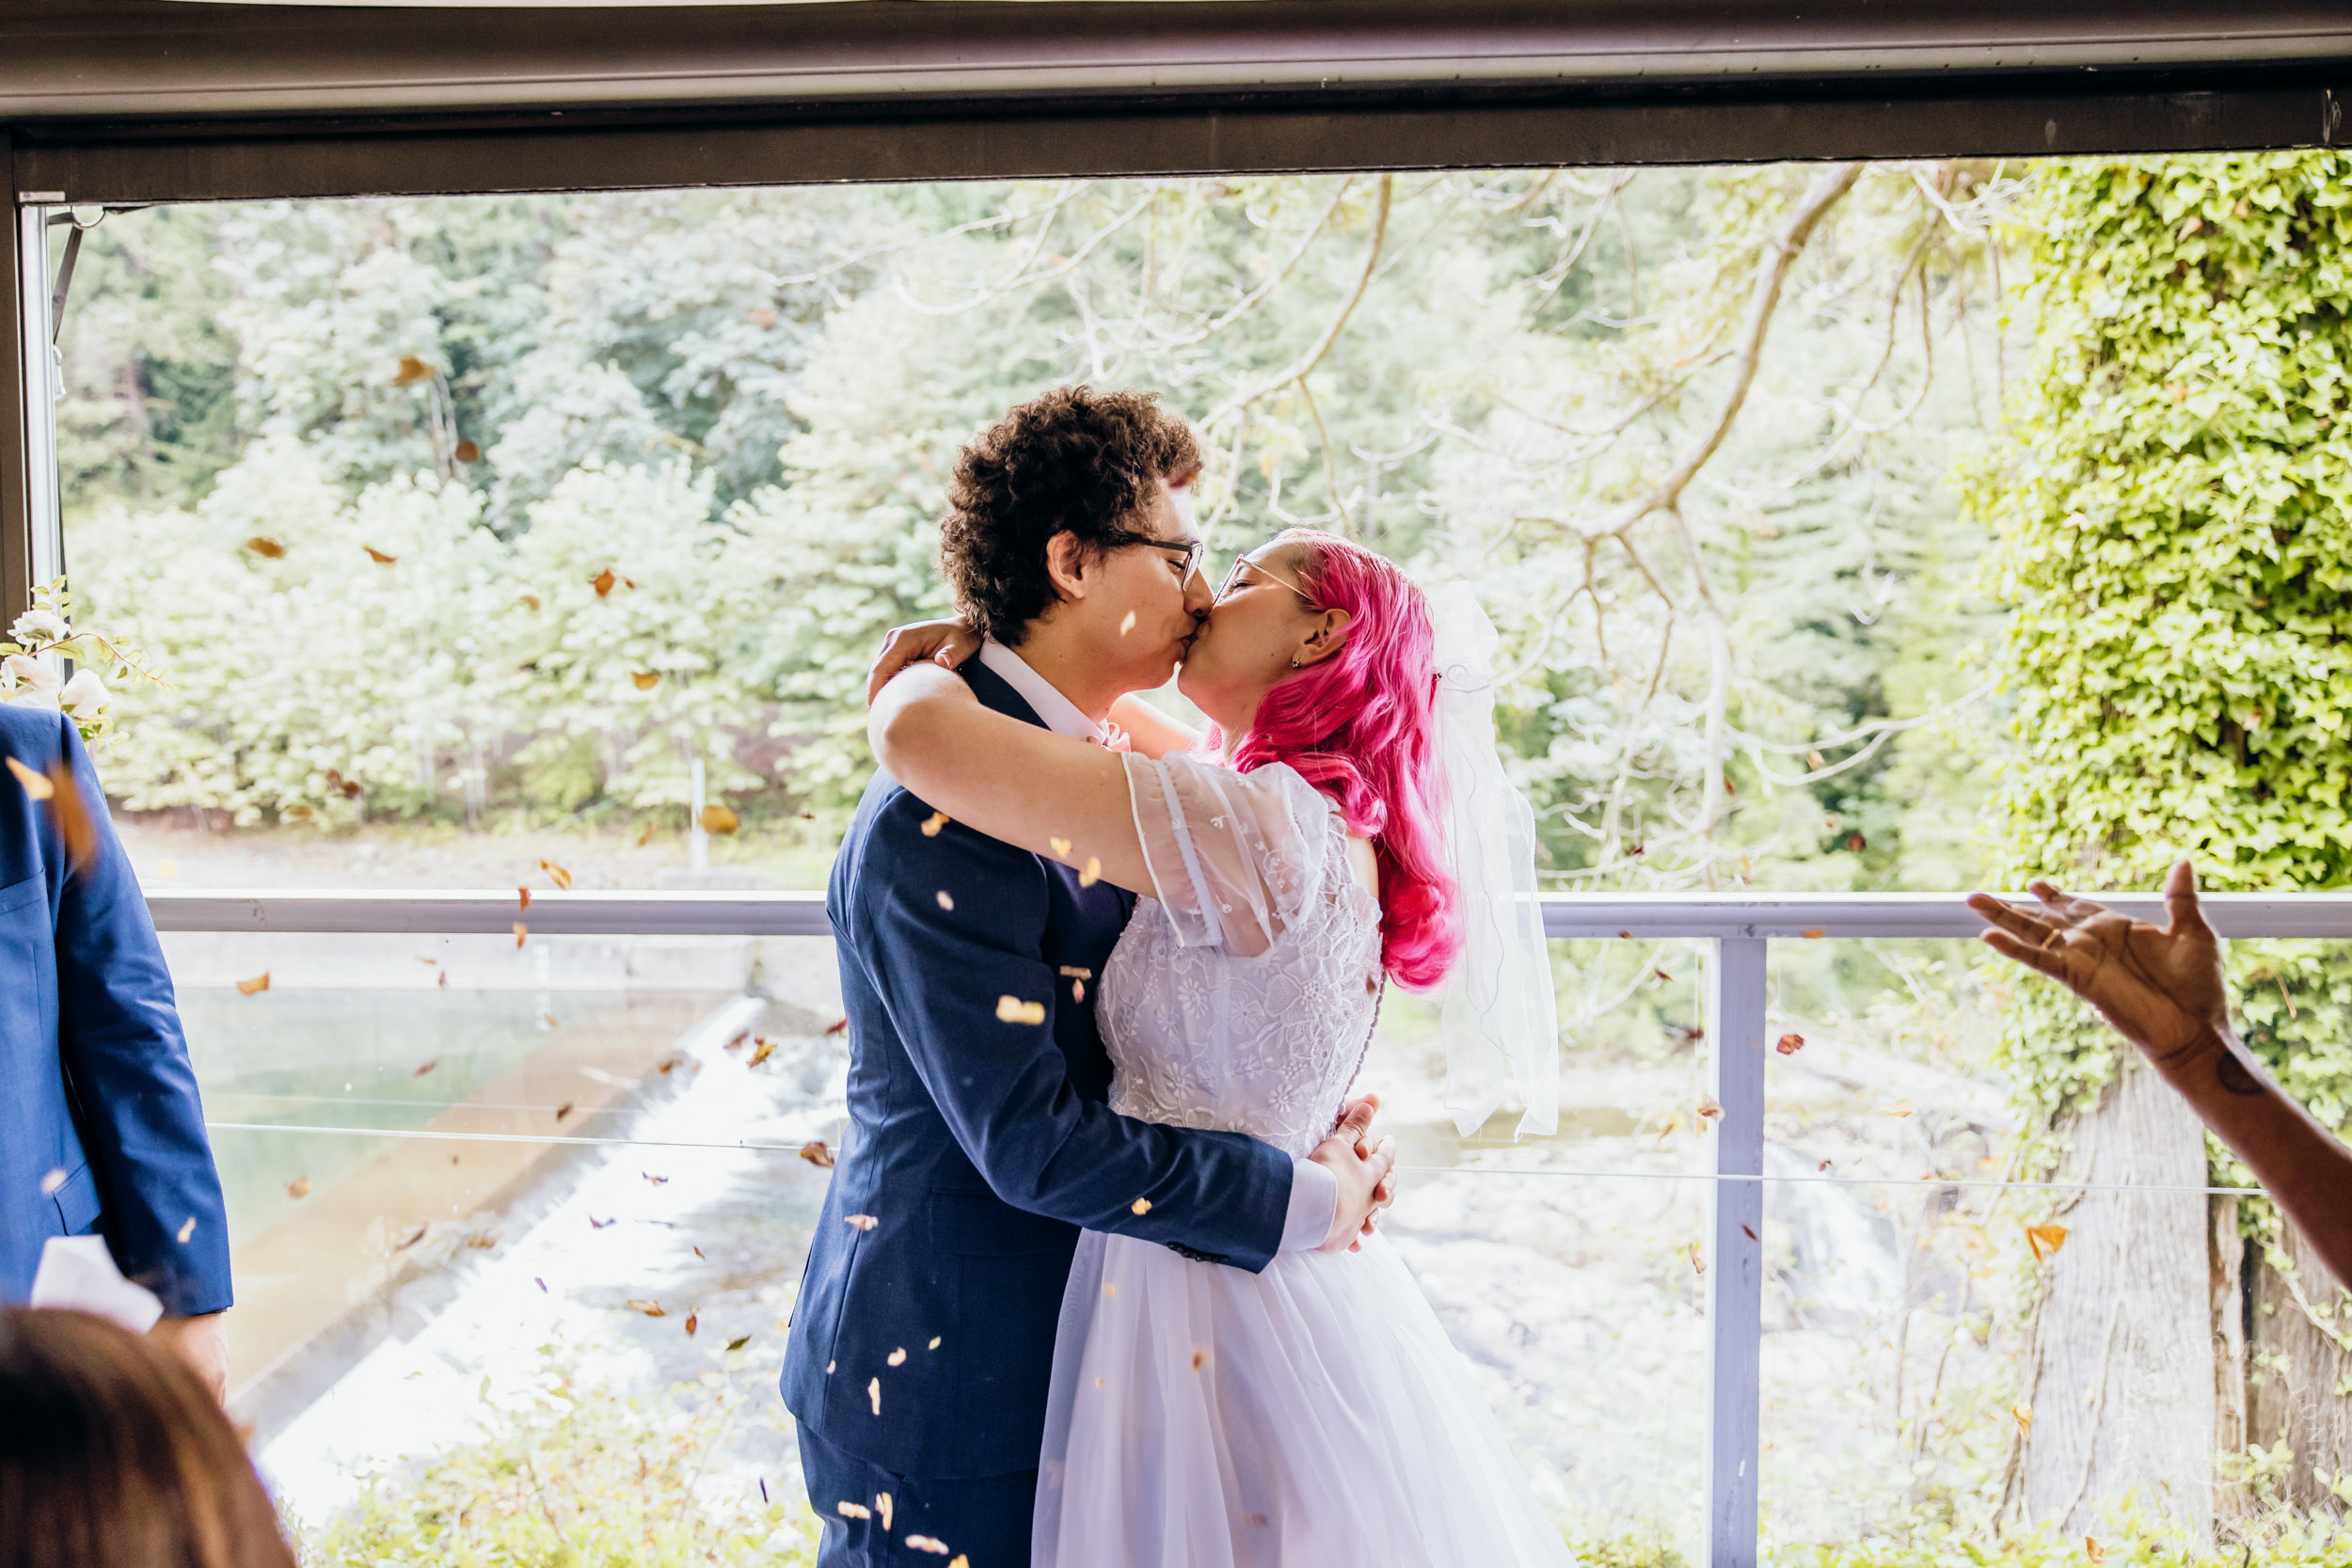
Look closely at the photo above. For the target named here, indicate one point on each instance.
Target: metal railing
(1741, 926)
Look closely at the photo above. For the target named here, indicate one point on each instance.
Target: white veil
(1501, 1022)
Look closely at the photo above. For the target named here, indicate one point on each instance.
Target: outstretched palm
(2161, 988)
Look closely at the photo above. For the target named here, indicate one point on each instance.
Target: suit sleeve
(126, 1062)
(944, 967)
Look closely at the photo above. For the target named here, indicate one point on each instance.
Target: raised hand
(2161, 989)
(947, 643)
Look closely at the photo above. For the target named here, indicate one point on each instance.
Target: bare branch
(1322, 346)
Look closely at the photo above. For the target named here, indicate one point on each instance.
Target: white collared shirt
(1314, 1203)
(1060, 714)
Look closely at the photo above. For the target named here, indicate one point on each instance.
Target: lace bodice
(1242, 996)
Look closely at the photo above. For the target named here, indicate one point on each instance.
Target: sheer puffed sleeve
(1233, 856)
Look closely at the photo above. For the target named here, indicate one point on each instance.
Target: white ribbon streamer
(1501, 1023)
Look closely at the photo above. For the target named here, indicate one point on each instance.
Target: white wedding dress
(1202, 1416)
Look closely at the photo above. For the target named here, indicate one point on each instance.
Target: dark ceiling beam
(105, 60)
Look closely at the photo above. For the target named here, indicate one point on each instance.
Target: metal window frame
(138, 101)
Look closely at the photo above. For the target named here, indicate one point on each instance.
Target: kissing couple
(1096, 1282)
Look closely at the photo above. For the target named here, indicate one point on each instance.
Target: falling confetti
(602, 582)
(932, 823)
(944, 902)
(853, 1511)
(1823, 1166)
(762, 1049)
(2045, 1240)
(466, 451)
(896, 1357)
(1092, 874)
(1749, 1233)
(838, 1026)
(556, 874)
(647, 679)
(647, 837)
(413, 1238)
(50, 1183)
(298, 1187)
(720, 819)
(1140, 1206)
(1789, 1044)
(428, 1067)
(412, 369)
(523, 894)
(596, 1224)
(2092, 1548)
(657, 1181)
(926, 1543)
(541, 1283)
(1109, 1289)
(531, 600)
(2022, 1414)
(818, 1154)
(1060, 848)
(521, 931)
(1812, 933)
(882, 1502)
(268, 549)
(693, 1321)
(738, 1343)
(260, 983)
(1708, 1109)
(873, 1392)
(563, 1110)
(36, 787)
(189, 1229)
(1127, 623)
(1199, 1357)
(481, 1243)
(72, 818)
(378, 556)
(1011, 1009)
(1901, 1108)
(650, 1309)
(861, 1222)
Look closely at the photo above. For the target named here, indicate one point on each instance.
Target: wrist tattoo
(2235, 1077)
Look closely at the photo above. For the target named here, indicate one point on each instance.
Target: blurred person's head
(114, 1455)
(1069, 519)
(1318, 654)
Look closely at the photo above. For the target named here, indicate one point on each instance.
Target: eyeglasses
(1243, 563)
(1189, 550)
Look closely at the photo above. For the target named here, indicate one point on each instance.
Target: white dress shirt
(1315, 1206)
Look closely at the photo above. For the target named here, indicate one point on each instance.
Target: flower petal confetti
(556, 874)
(932, 823)
(2022, 1414)
(1060, 848)
(378, 556)
(563, 1110)
(2045, 1240)
(1708, 1109)
(1200, 1356)
(647, 679)
(1092, 874)
(51, 1182)
(650, 1309)
(189, 1229)
(260, 983)
(523, 894)
(738, 1343)
(1011, 1009)
(873, 1392)
(881, 1504)
(1901, 1108)
(521, 931)
(298, 1187)
(1812, 933)
(430, 1063)
(934, 1345)
(602, 582)
(720, 819)
(853, 1511)
(1140, 1206)
(1127, 622)
(693, 1321)
(1789, 1045)
(36, 787)
(268, 549)
(945, 901)
(861, 1222)
(72, 818)
(926, 1543)
(762, 1048)
(412, 369)
(818, 1154)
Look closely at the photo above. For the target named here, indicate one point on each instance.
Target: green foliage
(2174, 507)
(583, 1479)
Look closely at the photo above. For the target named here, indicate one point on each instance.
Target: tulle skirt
(1203, 1416)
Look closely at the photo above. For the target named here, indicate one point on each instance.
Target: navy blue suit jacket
(978, 1147)
(94, 1075)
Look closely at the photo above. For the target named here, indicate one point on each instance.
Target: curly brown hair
(1074, 461)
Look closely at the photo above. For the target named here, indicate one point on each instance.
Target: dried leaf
(428, 1067)
(467, 451)
(556, 874)
(1140, 1206)
(563, 1110)
(1823, 1166)
(647, 679)
(693, 1321)
(1789, 1044)
(189, 1229)
(412, 369)
(602, 582)
(259, 984)
(51, 1182)
(1011, 1009)
(818, 1154)
(1748, 1232)
(932, 823)
(650, 1309)
(523, 894)
(738, 1343)
(861, 1222)
(298, 1187)
(378, 556)
(36, 787)
(838, 1026)
(1092, 874)
(896, 1357)
(268, 549)
(521, 931)
(2045, 1240)
(720, 819)
(761, 1049)
(1708, 1109)
(945, 901)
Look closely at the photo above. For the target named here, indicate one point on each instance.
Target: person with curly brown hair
(113, 1453)
(980, 1142)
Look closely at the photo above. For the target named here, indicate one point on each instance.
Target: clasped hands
(1365, 1170)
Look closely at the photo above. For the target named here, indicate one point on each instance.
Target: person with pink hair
(1307, 848)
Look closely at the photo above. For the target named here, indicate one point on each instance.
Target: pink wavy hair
(1357, 726)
